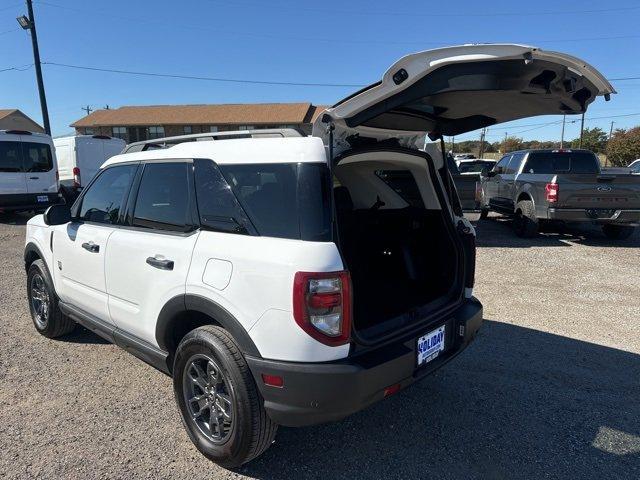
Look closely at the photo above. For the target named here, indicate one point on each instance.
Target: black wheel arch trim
(191, 302)
(31, 247)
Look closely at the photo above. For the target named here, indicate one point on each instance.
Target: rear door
(507, 184)
(39, 165)
(453, 90)
(79, 246)
(12, 177)
(492, 184)
(147, 261)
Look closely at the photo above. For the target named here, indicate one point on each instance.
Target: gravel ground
(550, 388)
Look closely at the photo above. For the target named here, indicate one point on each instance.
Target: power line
(10, 31)
(194, 77)
(20, 68)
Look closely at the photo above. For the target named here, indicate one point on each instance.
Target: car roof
(236, 151)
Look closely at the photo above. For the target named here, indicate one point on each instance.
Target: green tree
(594, 139)
(510, 144)
(624, 147)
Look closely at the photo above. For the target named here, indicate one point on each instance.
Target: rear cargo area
(395, 241)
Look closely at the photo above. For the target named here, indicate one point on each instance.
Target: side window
(502, 164)
(37, 157)
(105, 197)
(10, 158)
(514, 163)
(162, 202)
(218, 207)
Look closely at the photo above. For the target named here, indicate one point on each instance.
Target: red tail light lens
(322, 305)
(76, 177)
(551, 192)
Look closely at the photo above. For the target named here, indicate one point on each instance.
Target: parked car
(294, 281)
(466, 186)
(564, 185)
(79, 159)
(476, 167)
(28, 171)
(458, 157)
(635, 166)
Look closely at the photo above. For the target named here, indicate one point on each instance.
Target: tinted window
(217, 205)
(10, 158)
(284, 200)
(561, 162)
(403, 183)
(105, 197)
(37, 157)
(475, 167)
(514, 163)
(502, 164)
(635, 167)
(163, 197)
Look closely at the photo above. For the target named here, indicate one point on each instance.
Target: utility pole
(453, 144)
(611, 129)
(88, 109)
(581, 129)
(483, 132)
(562, 134)
(30, 24)
(504, 144)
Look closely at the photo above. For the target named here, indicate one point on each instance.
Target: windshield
(475, 167)
(285, 200)
(557, 162)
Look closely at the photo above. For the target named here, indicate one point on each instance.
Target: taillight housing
(76, 177)
(322, 305)
(551, 192)
(478, 192)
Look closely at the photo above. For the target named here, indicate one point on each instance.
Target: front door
(79, 246)
(492, 183)
(148, 261)
(508, 180)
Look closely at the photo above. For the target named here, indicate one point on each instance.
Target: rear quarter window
(37, 157)
(404, 184)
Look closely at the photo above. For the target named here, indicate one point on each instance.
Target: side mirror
(491, 173)
(57, 215)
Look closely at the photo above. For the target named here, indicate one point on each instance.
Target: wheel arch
(184, 313)
(32, 253)
(525, 194)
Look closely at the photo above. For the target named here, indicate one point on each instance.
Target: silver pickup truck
(563, 185)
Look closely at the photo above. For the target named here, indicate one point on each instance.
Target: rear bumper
(28, 201)
(322, 392)
(601, 216)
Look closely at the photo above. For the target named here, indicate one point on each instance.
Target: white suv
(281, 286)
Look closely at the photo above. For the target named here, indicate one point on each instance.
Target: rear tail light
(76, 177)
(551, 192)
(322, 305)
(478, 192)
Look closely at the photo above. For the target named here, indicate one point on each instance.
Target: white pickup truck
(277, 284)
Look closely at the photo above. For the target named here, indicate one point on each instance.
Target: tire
(43, 303)
(484, 213)
(618, 232)
(525, 223)
(246, 431)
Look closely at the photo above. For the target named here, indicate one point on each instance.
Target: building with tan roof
(136, 123)
(14, 119)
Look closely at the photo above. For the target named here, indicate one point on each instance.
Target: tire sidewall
(38, 268)
(238, 443)
(525, 223)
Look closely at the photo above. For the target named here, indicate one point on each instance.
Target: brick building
(135, 123)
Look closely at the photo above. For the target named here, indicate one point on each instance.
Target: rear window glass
(404, 184)
(10, 158)
(561, 162)
(285, 200)
(37, 157)
(475, 167)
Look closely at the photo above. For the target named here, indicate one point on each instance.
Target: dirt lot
(550, 389)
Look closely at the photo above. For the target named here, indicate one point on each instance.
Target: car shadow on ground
(519, 403)
(83, 335)
(497, 231)
(10, 218)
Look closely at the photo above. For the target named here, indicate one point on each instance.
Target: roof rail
(168, 142)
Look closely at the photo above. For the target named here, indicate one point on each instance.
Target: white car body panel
(29, 182)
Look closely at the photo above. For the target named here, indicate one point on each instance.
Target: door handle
(34, 178)
(161, 263)
(92, 247)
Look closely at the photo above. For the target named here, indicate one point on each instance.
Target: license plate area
(42, 198)
(430, 345)
(600, 213)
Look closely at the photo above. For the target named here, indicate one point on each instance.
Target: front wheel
(220, 404)
(618, 232)
(43, 303)
(525, 222)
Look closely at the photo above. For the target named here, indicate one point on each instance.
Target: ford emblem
(604, 189)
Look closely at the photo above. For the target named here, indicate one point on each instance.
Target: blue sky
(312, 42)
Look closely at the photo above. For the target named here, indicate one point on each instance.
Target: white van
(80, 157)
(28, 171)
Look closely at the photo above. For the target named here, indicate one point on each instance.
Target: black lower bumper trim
(27, 201)
(322, 392)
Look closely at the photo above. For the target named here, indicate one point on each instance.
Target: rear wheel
(618, 232)
(43, 303)
(525, 223)
(220, 404)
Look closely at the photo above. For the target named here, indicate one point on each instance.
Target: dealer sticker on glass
(430, 345)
